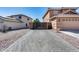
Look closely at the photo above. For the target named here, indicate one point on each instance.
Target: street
(41, 41)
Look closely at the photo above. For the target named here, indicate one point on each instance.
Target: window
(27, 18)
(18, 17)
(11, 16)
(9, 28)
(26, 24)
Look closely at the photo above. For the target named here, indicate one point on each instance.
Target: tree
(36, 23)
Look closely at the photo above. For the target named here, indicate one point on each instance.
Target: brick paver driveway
(41, 40)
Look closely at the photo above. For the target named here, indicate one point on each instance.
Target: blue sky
(34, 12)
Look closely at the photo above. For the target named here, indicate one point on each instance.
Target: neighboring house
(21, 18)
(65, 18)
(14, 22)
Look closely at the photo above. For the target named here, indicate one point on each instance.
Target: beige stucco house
(65, 18)
(15, 22)
(21, 18)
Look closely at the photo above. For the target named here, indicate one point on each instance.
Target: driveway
(41, 41)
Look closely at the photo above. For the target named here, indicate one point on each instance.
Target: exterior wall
(14, 25)
(66, 23)
(61, 22)
(54, 24)
(69, 23)
(25, 20)
(54, 12)
(45, 25)
(1, 26)
(46, 18)
(50, 14)
(64, 10)
(41, 25)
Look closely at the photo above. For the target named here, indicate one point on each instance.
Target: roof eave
(45, 14)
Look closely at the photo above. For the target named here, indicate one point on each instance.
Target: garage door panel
(70, 25)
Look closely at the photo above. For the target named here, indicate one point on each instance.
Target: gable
(70, 12)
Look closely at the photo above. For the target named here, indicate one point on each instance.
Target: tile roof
(5, 19)
(59, 8)
(64, 15)
(9, 19)
(19, 15)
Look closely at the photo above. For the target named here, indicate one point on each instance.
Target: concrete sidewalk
(71, 33)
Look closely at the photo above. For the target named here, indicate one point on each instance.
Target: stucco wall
(54, 24)
(69, 23)
(23, 19)
(15, 25)
(1, 26)
(46, 18)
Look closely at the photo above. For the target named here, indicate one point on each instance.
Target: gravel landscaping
(6, 39)
(74, 33)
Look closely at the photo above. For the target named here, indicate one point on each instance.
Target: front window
(27, 18)
(18, 17)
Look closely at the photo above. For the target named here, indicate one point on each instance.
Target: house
(22, 18)
(14, 22)
(64, 18)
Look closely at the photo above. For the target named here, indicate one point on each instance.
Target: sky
(34, 12)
